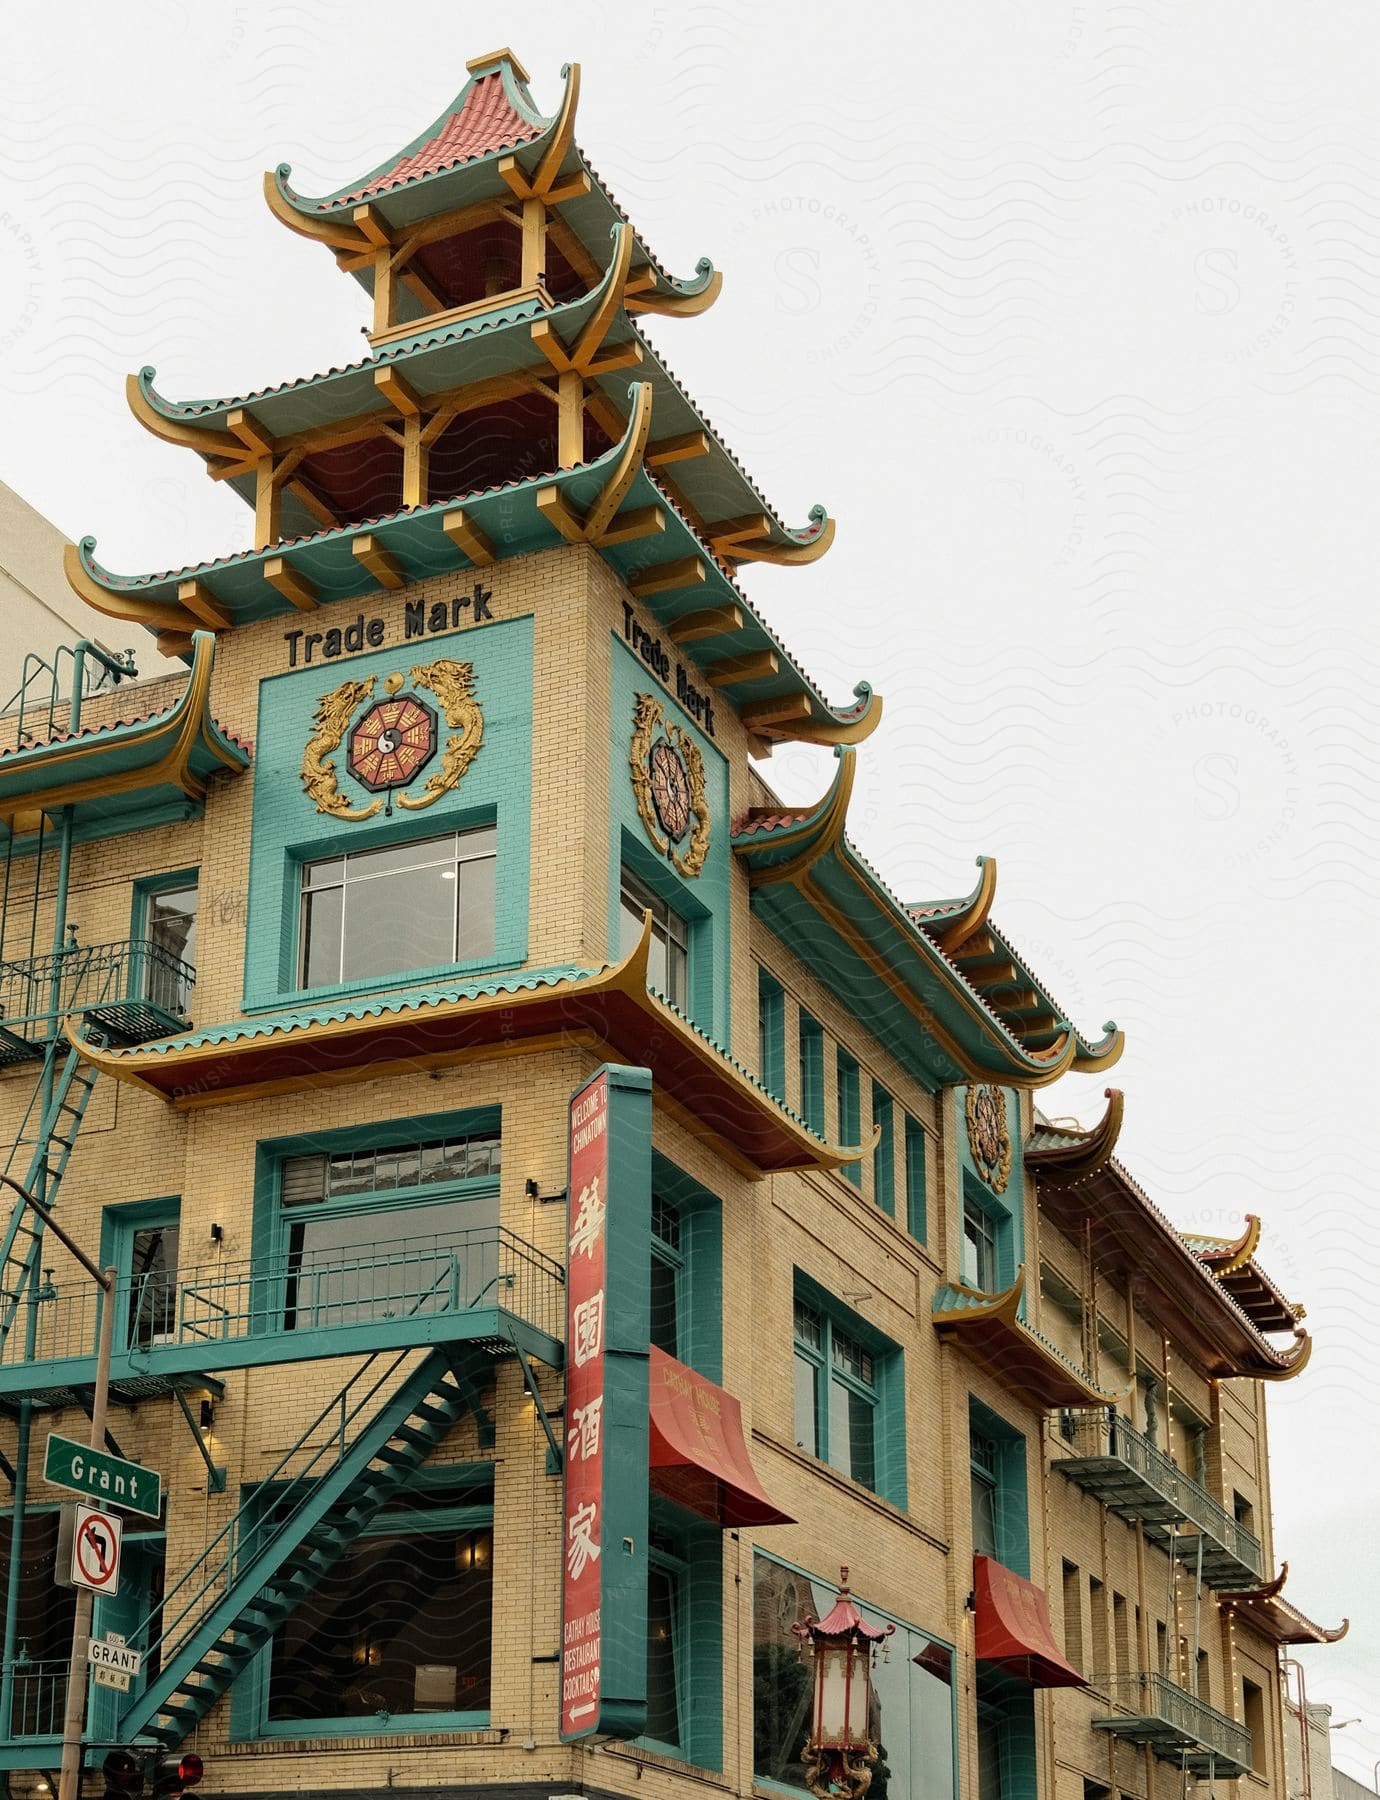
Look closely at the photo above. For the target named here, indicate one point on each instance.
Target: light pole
(74, 1717)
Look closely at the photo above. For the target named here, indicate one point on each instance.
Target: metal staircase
(49, 1131)
(290, 1530)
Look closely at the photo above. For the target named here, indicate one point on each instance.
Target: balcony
(486, 1287)
(131, 990)
(1179, 1728)
(1136, 1480)
(37, 1697)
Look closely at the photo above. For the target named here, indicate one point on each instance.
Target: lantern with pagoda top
(839, 1753)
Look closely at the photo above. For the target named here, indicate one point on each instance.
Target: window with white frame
(668, 961)
(426, 904)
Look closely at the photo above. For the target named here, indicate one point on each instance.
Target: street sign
(108, 1479)
(107, 1653)
(110, 1678)
(96, 1550)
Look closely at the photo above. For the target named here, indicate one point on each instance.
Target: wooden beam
(173, 643)
(399, 393)
(415, 461)
(776, 715)
(385, 289)
(514, 178)
(383, 566)
(570, 425)
(267, 505)
(462, 531)
(574, 187)
(562, 134)
(314, 504)
(202, 604)
(558, 515)
(290, 584)
(570, 247)
(755, 666)
(644, 521)
(626, 356)
(677, 449)
(369, 225)
(533, 242)
(726, 534)
(248, 430)
(545, 338)
(714, 621)
(684, 572)
(601, 320)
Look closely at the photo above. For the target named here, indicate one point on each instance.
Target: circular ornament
(393, 740)
(670, 790)
(989, 1139)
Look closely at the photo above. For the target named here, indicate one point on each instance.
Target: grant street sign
(108, 1479)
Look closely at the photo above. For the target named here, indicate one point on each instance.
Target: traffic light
(124, 1775)
(172, 1775)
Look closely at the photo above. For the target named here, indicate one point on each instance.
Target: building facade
(563, 1205)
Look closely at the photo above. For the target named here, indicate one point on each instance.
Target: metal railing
(269, 1297)
(40, 696)
(1156, 1696)
(1102, 1432)
(128, 973)
(40, 1695)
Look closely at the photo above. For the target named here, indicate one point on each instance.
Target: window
(979, 1264)
(153, 1285)
(812, 1073)
(170, 963)
(771, 1034)
(1073, 1614)
(850, 1110)
(1121, 1635)
(1253, 1717)
(1097, 1618)
(684, 1636)
(422, 905)
(400, 1624)
(915, 1179)
(884, 1156)
(845, 1379)
(912, 1696)
(668, 962)
(408, 1225)
(667, 1266)
(996, 1460)
(1204, 1678)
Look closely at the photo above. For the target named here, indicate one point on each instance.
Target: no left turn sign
(96, 1551)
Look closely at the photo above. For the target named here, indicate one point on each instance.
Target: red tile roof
(757, 820)
(486, 122)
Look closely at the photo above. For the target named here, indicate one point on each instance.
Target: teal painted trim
(771, 1034)
(147, 886)
(811, 1034)
(888, 1365)
(849, 1080)
(696, 1558)
(700, 1300)
(1010, 1705)
(884, 1156)
(122, 1219)
(916, 1222)
(288, 832)
(1012, 1513)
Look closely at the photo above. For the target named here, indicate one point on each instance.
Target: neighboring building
(39, 613)
(1308, 1752)
(505, 1439)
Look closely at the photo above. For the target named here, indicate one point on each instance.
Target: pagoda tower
(511, 402)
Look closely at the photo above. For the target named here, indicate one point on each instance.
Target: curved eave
(423, 192)
(1266, 1611)
(1224, 1256)
(172, 755)
(785, 851)
(611, 1011)
(1083, 1154)
(990, 1329)
(495, 524)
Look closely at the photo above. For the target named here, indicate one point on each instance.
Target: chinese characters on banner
(603, 1663)
(586, 1283)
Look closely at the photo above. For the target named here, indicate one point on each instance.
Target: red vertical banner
(586, 1302)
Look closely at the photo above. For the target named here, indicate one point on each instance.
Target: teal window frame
(1005, 1471)
(120, 1224)
(917, 1223)
(1006, 1722)
(690, 1551)
(832, 1358)
(810, 1037)
(145, 890)
(249, 1696)
(848, 1077)
(994, 1220)
(697, 1263)
(884, 1156)
(661, 880)
(771, 1033)
(273, 1221)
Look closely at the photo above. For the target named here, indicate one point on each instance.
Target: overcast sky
(1070, 316)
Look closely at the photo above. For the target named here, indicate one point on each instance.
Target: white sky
(1070, 316)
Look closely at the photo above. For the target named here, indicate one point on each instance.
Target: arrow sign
(108, 1479)
(96, 1551)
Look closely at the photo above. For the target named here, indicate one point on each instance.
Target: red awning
(1013, 1628)
(698, 1456)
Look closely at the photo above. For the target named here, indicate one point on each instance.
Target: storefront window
(912, 1717)
(422, 905)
